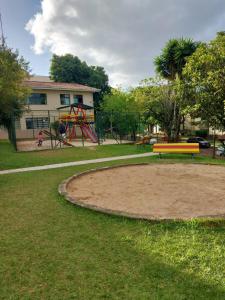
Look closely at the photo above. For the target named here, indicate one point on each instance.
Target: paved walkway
(76, 163)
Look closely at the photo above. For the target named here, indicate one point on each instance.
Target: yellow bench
(192, 148)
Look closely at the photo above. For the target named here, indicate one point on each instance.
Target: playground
(156, 191)
(74, 125)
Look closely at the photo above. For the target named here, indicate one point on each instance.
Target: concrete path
(76, 163)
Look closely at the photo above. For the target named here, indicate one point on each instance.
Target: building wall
(53, 102)
(53, 99)
(48, 110)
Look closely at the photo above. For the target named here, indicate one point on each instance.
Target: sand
(156, 191)
(30, 145)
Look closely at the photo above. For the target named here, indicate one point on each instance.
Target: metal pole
(33, 125)
(214, 143)
(82, 138)
(50, 128)
(13, 132)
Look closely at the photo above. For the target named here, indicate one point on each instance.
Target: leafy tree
(122, 112)
(173, 58)
(205, 77)
(13, 93)
(169, 65)
(69, 68)
(163, 104)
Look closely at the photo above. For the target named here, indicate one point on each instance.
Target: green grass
(51, 249)
(10, 159)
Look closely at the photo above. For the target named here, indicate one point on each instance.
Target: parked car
(220, 151)
(153, 141)
(202, 142)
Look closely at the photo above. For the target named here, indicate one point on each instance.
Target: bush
(202, 133)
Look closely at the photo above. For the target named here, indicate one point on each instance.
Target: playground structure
(77, 121)
(58, 140)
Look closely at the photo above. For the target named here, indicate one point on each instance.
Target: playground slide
(48, 133)
(88, 132)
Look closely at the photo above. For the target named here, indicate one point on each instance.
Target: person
(40, 139)
(62, 129)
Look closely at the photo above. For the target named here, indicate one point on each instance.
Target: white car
(153, 141)
(220, 151)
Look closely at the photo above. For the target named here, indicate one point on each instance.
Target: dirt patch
(169, 191)
(30, 145)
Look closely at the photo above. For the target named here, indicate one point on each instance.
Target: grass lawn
(51, 249)
(10, 159)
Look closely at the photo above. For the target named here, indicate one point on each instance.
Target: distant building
(44, 100)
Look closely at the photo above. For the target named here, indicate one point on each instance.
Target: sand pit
(153, 191)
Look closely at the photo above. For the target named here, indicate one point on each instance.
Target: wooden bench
(191, 148)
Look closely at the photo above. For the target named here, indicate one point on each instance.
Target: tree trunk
(214, 144)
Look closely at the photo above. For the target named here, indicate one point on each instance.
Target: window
(37, 122)
(65, 99)
(37, 99)
(78, 99)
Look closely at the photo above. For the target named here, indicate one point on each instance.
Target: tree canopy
(13, 92)
(163, 104)
(69, 68)
(168, 99)
(205, 76)
(122, 111)
(172, 60)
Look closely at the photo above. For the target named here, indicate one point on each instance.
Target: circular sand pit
(151, 191)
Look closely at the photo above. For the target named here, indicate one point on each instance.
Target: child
(40, 139)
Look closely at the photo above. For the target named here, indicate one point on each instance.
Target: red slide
(88, 133)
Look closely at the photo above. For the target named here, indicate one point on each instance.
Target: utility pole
(2, 33)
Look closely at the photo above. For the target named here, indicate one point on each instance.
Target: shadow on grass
(140, 274)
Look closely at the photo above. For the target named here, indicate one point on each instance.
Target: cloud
(123, 36)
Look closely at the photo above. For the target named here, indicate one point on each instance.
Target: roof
(61, 86)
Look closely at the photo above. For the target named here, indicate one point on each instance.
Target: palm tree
(173, 57)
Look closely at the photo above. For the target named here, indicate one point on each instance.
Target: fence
(114, 126)
(117, 125)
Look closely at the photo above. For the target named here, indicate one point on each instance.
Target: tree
(173, 58)
(122, 112)
(69, 68)
(13, 92)
(205, 77)
(163, 104)
(158, 104)
(169, 65)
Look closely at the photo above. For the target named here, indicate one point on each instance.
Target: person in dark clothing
(62, 129)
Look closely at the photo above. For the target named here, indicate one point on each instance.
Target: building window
(65, 99)
(37, 99)
(37, 122)
(78, 99)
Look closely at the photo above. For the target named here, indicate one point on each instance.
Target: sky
(123, 36)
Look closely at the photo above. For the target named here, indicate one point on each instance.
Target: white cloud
(121, 35)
